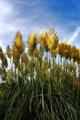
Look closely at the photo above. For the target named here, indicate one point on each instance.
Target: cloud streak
(74, 35)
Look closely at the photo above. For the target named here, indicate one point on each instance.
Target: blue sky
(39, 15)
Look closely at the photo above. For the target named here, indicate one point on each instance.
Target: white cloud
(5, 8)
(10, 22)
(6, 11)
(74, 35)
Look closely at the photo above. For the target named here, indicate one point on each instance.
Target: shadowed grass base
(39, 100)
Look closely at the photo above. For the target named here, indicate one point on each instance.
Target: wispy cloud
(74, 35)
(5, 8)
(5, 12)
